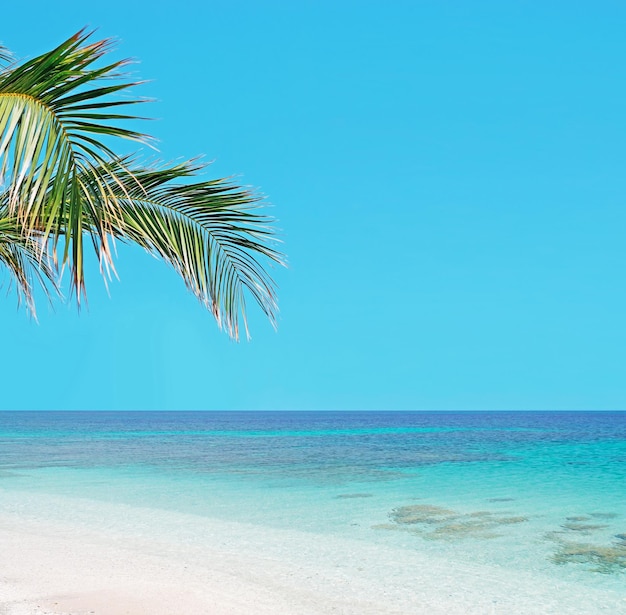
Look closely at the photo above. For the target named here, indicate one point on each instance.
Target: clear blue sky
(450, 184)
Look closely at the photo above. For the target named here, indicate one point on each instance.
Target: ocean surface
(535, 491)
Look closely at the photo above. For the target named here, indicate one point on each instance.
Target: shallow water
(540, 492)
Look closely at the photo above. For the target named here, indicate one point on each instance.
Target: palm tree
(61, 183)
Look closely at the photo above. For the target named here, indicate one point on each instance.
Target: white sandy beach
(160, 563)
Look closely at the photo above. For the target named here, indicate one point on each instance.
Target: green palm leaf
(209, 231)
(61, 183)
(54, 115)
(21, 257)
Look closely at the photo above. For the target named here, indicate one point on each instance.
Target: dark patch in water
(585, 528)
(421, 513)
(463, 529)
(437, 523)
(500, 499)
(350, 496)
(604, 515)
(385, 526)
(606, 559)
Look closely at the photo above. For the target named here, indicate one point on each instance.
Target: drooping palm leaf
(61, 179)
(21, 257)
(209, 231)
(55, 116)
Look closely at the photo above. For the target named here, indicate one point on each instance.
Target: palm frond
(21, 257)
(208, 231)
(55, 121)
(5, 54)
(62, 184)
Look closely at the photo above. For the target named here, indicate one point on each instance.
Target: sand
(180, 564)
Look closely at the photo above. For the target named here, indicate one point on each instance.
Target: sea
(543, 492)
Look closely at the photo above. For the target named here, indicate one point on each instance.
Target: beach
(311, 515)
(184, 564)
(51, 568)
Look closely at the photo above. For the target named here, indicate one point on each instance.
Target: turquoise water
(536, 491)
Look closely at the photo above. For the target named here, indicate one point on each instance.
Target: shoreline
(173, 563)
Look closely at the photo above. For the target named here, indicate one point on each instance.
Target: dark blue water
(224, 441)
